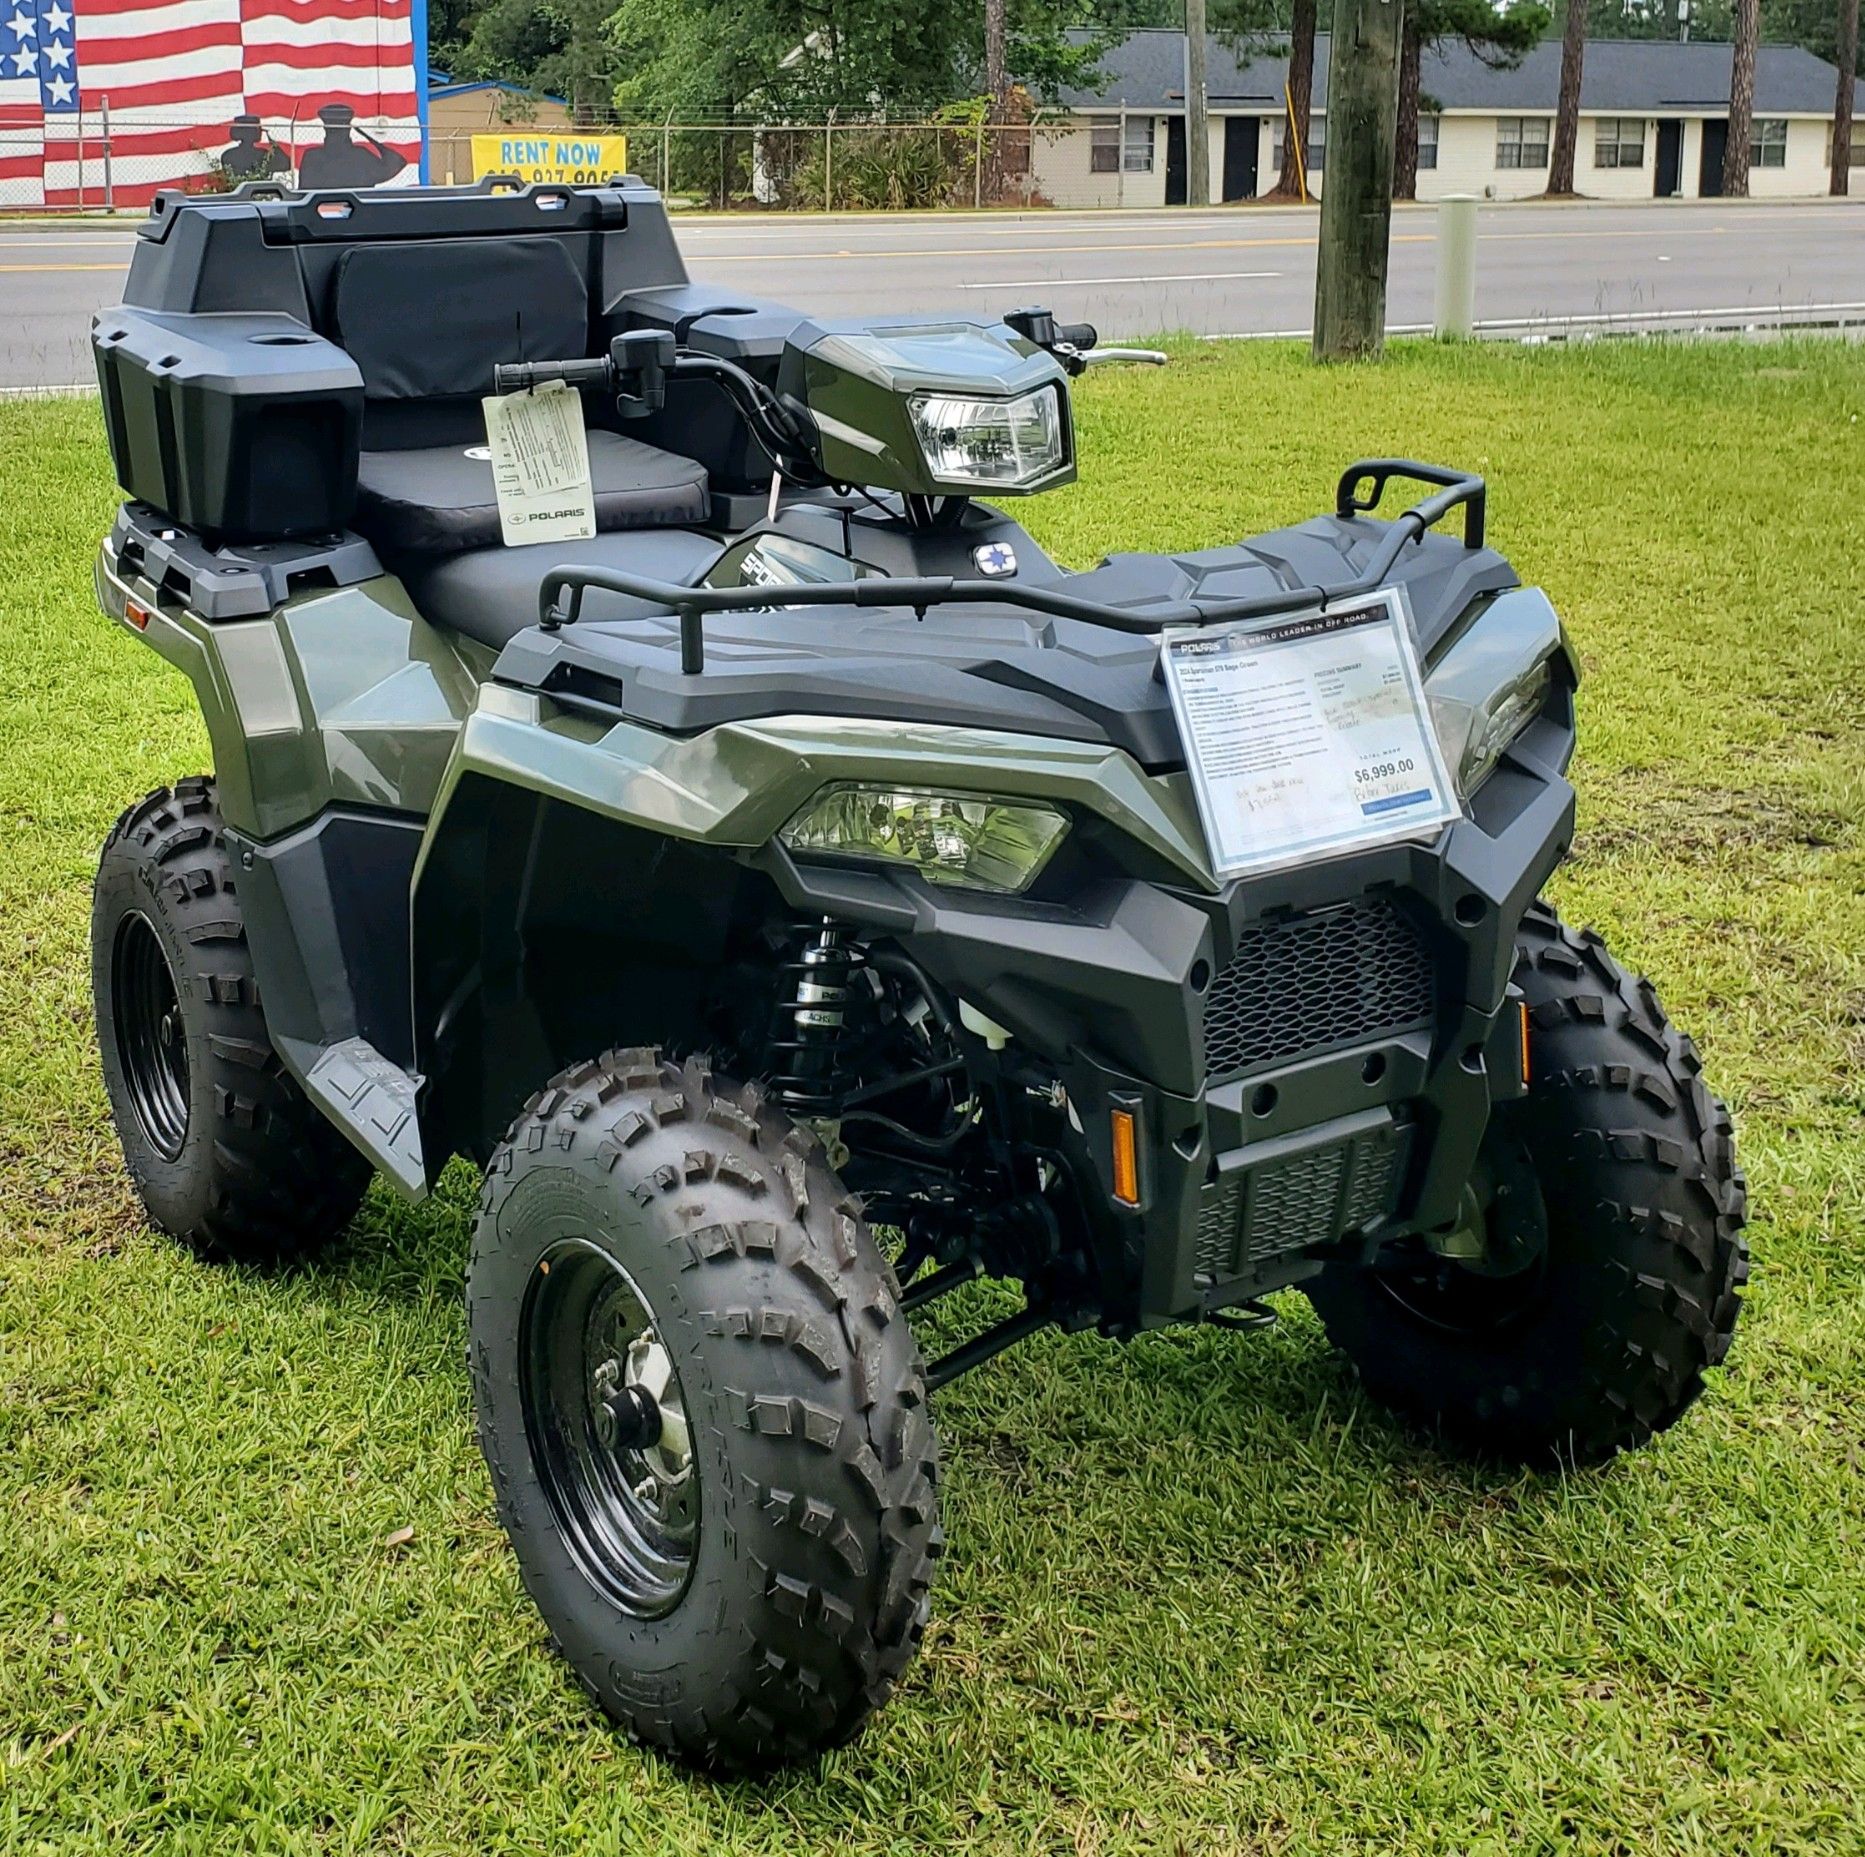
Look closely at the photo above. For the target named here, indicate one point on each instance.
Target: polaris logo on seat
(552, 515)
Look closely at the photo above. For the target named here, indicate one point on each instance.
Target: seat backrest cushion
(430, 319)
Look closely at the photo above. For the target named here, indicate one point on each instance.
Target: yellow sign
(576, 160)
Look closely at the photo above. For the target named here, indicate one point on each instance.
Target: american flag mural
(203, 94)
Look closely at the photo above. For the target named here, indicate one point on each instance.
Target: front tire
(1602, 1336)
(224, 1150)
(704, 1414)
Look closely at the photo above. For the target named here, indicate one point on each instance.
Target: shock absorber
(810, 1027)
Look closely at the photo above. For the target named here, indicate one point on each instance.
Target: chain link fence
(87, 161)
(817, 167)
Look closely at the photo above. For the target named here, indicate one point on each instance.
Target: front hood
(979, 665)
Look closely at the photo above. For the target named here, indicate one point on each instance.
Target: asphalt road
(1231, 272)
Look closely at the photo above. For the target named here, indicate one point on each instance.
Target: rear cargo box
(244, 427)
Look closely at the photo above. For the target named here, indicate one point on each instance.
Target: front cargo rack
(560, 597)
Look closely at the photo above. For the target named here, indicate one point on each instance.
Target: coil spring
(810, 1029)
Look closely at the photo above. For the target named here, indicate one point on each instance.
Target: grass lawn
(1199, 1596)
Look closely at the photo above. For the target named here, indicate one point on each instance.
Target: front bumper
(1250, 1175)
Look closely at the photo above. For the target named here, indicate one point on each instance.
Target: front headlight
(1498, 722)
(990, 444)
(957, 838)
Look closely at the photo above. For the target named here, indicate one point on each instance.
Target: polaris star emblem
(994, 560)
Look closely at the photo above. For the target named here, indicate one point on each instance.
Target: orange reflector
(1523, 1008)
(138, 616)
(1126, 1157)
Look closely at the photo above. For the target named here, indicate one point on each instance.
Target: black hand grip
(515, 376)
(1078, 334)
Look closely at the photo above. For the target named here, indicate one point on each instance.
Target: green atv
(643, 765)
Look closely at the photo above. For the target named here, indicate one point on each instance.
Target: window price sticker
(1308, 736)
(540, 465)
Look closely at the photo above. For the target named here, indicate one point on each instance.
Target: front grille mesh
(1248, 1221)
(1338, 976)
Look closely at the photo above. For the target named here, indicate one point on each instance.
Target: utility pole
(1356, 197)
(1197, 109)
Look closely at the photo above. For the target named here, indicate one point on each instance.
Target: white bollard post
(1454, 319)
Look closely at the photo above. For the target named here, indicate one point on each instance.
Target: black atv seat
(439, 498)
(491, 593)
(271, 351)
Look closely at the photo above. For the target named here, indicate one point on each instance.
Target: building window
(1315, 153)
(1858, 145)
(1105, 154)
(1521, 141)
(1427, 142)
(1767, 142)
(1619, 142)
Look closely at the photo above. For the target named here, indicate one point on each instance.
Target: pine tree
(1567, 109)
(1741, 98)
(1848, 50)
(1301, 94)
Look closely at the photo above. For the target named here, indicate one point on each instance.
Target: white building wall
(1806, 171)
(1466, 164)
(1599, 183)
(1060, 159)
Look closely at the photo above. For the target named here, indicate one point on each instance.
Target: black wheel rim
(628, 1512)
(151, 1040)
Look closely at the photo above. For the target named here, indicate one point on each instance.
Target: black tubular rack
(560, 596)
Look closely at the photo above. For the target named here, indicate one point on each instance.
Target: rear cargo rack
(560, 598)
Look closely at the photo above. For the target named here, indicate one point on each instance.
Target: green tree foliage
(802, 58)
(1812, 23)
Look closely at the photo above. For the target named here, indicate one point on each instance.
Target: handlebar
(517, 376)
(1082, 335)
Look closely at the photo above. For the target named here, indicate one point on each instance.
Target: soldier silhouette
(249, 158)
(339, 161)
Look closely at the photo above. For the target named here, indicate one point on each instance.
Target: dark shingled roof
(1650, 77)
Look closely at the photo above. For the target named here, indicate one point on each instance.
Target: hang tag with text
(1308, 736)
(540, 465)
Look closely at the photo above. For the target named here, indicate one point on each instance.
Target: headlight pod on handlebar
(968, 839)
(931, 408)
(990, 444)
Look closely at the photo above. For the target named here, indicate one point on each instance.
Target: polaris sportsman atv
(802, 897)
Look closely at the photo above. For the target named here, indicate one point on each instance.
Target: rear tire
(755, 1595)
(1638, 1286)
(223, 1148)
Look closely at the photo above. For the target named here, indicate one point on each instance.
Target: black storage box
(242, 426)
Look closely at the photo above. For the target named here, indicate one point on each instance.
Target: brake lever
(1145, 357)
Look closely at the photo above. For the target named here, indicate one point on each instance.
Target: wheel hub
(1486, 1268)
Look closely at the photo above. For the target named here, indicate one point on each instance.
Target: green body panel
(737, 785)
(345, 696)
